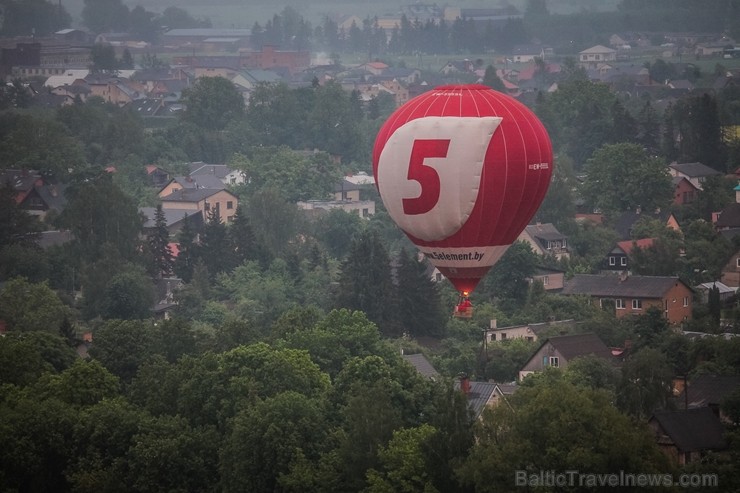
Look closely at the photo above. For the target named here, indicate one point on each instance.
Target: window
(229, 204)
(207, 206)
(623, 261)
(612, 261)
(493, 337)
(619, 303)
(545, 280)
(685, 301)
(737, 262)
(530, 338)
(554, 361)
(637, 304)
(503, 336)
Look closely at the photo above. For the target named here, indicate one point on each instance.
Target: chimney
(464, 383)
(494, 323)
(623, 276)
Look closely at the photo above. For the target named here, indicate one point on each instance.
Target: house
(174, 219)
(730, 275)
(527, 53)
(696, 173)
(551, 279)
(687, 435)
(625, 223)
(634, 295)
(545, 239)
(203, 200)
(271, 58)
(458, 67)
(208, 182)
(363, 208)
(422, 365)
(528, 332)
(558, 351)
(480, 395)
(164, 297)
(725, 292)
(375, 68)
(227, 175)
(157, 176)
(707, 390)
(618, 258)
(595, 55)
(684, 191)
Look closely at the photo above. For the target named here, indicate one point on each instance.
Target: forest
(281, 369)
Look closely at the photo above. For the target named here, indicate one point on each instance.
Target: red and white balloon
(462, 169)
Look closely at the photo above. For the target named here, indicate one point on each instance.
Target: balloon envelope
(462, 169)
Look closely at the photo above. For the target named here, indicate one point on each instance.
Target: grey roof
(190, 195)
(546, 231)
(478, 396)
(46, 239)
(422, 365)
(171, 215)
(211, 182)
(692, 429)
(208, 32)
(705, 390)
(729, 217)
(202, 169)
(573, 346)
(611, 286)
(694, 170)
(624, 223)
(53, 195)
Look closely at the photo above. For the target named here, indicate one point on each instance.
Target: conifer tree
(158, 241)
(187, 256)
(420, 311)
(365, 283)
(214, 246)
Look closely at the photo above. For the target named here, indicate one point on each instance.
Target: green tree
(84, 383)
(212, 103)
(530, 436)
(105, 15)
(608, 188)
(507, 280)
(33, 18)
(27, 356)
(103, 58)
(186, 259)
(492, 80)
(267, 439)
(178, 18)
(26, 306)
(29, 142)
(646, 383)
(122, 346)
(403, 467)
(129, 295)
(337, 229)
(420, 309)
(275, 219)
(215, 251)
(365, 283)
(158, 243)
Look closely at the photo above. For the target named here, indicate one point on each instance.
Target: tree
(420, 311)
(649, 128)
(622, 177)
(337, 230)
(103, 58)
(531, 436)
(187, 251)
(33, 18)
(26, 306)
(105, 15)
(178, 18)
(507, 280)
(646, 383)
(267, 439)
(158, 242)
(365, 282)
(129, 295)
(122, 346)
(275, 219)
(214, 248)
(212, 102)
(492, 80)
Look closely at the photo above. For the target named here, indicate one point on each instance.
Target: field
(244, 13)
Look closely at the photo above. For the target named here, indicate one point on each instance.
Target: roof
(546, 231)
(628, 245)
(171, 215)
(611, 286)
(46, 239)
(722, 287)
(208, 32)
(597, 49)
(422, 365)
(692, 429)
(573, 346)
(191, 195)
(624, 223)
(729, 217)
(705, 390)
(201, 169)
(210, 182)
(478, 395)
(694, 170)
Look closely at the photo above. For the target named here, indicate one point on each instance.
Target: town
(202, 289)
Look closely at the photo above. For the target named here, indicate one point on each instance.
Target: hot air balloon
(461, 169)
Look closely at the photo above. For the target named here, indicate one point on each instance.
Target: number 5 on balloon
(425, 175)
